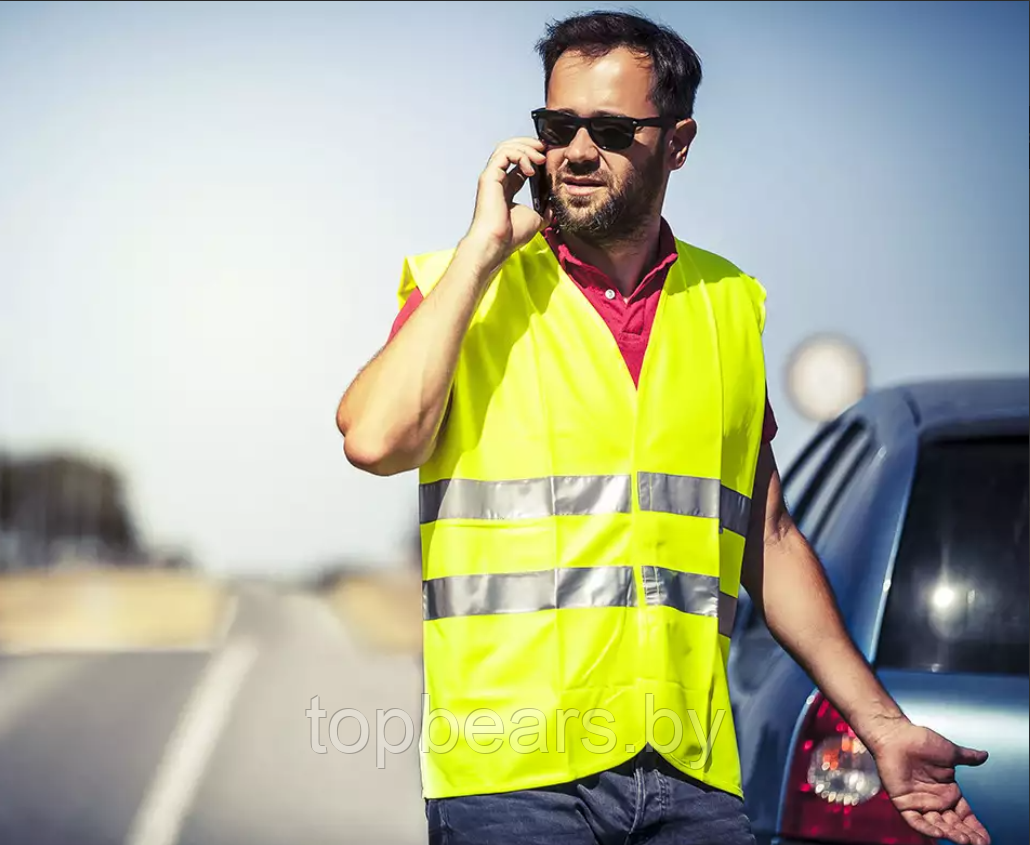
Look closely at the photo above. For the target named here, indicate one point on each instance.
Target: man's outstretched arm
(789, 587)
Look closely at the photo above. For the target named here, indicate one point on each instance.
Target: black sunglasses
(558, 128)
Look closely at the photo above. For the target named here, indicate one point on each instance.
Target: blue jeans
(645, 800)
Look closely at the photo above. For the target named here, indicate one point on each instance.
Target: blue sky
(204, 208)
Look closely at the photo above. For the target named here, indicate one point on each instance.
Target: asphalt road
(212, 747)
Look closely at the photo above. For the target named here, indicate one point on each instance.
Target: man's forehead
(618, 82)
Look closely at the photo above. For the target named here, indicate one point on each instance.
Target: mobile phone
(540, 190)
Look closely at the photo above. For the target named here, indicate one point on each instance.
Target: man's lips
(581, 186)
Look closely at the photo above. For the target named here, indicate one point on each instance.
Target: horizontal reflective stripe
(689, 592)
(525, 592)
(576, 495)
(576, 587)
(583, 495)
(687, 495)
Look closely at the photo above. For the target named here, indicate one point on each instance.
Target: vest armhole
(422, 272)
(758, 299)
(709, 263)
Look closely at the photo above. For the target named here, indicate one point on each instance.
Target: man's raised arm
(392, 412)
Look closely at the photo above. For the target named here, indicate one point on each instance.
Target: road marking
(228, 620)
(160, 817)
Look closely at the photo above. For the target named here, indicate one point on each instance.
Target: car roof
(944, 403)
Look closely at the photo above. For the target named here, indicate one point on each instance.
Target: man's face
(600, 196)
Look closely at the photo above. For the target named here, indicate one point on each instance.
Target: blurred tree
(63, 499)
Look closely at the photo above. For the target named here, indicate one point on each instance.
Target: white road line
(159, 818)
(227, 621)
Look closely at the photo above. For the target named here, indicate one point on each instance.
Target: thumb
(969, 756)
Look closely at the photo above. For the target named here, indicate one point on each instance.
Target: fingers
(950, 826)
(520, 152)
(961, 833)
(947, 829)
(969, 756)
(514, 179)
(959, 825)
(966, 829)
(919, 823)
(524, 153)
(971, 822)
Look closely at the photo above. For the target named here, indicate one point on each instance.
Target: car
(916, 501)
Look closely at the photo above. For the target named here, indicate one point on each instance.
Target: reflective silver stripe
(727, 613)
(734, 511)
(530, 498)
(690, 592)
(687, 495)
(525, 592)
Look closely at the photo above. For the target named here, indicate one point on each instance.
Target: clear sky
(204, 207)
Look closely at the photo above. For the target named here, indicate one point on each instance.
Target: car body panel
(857, 544)
(978, 711)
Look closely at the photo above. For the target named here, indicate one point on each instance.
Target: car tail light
(834, 792)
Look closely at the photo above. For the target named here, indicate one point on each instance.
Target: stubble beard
(621, 217)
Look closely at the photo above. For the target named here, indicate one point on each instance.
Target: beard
(621, 216)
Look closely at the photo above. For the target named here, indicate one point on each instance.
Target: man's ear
(680, 139)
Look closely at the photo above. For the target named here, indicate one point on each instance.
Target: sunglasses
(557, 128)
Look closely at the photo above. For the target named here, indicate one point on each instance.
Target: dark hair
(675, 65)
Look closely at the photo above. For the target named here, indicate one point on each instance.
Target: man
(584, 396)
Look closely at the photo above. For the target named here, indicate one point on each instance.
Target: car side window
(850, 455)
(816, 485)
(958, 592)
(798, 476)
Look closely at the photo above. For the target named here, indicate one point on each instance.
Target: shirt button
(609, 294)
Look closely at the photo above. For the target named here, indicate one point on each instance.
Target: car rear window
(958, 599)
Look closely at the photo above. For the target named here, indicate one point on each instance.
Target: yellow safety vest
(582, 539)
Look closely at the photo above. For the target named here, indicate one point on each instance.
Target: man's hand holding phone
(500, 225)
(540, 192)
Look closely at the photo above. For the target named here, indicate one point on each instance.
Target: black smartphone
(540, 190)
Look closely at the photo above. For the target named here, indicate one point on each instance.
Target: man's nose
(582, 148)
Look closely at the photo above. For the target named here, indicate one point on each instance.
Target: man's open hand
(917, 769)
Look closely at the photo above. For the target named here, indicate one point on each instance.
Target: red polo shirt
(629, 320)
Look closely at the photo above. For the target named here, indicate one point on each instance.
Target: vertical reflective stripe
(687, 495)
(727, 613)
(689, 592)
(526, 592)
(734, 511)
(530, 498)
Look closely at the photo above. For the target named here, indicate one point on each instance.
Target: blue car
(916, 500)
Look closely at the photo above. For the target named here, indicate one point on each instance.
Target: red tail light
(834, 793)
